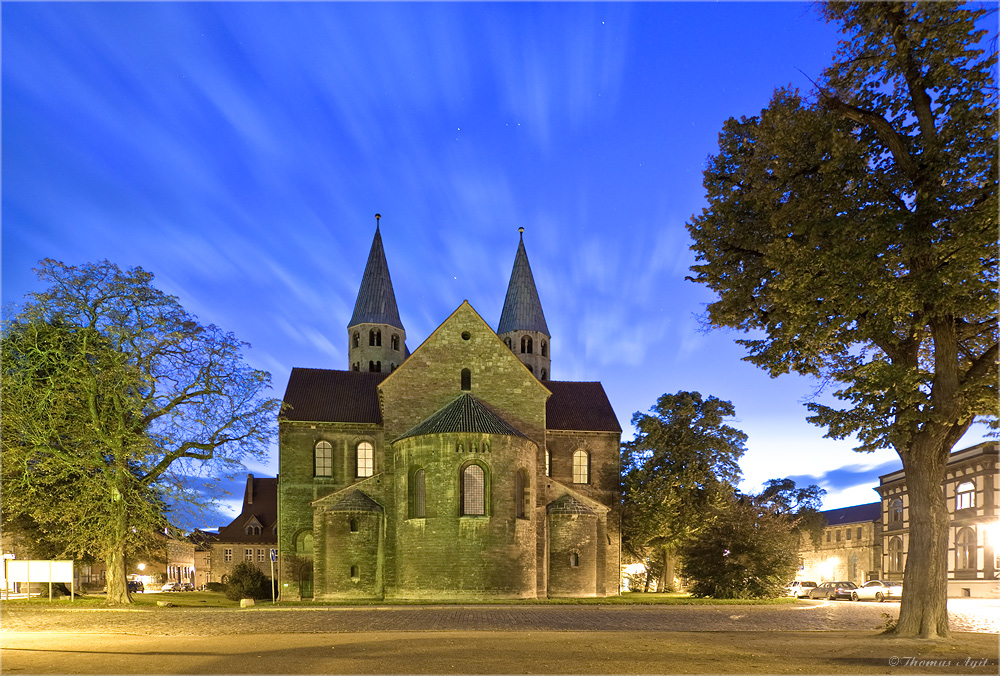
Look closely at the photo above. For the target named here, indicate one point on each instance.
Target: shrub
(247, 582)
(215, 586)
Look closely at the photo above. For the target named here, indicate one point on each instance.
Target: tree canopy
(683, 460)
(854, 234)
(113, 394)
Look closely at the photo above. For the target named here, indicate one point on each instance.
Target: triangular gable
(557, 489)
(369, 486)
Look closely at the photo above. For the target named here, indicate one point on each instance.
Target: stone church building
(458, 471)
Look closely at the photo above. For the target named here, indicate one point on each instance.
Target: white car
(171, 586)
(800, 589)
(878, 590)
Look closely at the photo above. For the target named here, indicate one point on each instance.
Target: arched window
(356, 341)
(371, 337)
(581, 467)
(323, 459)
(545, 348)
(418, 495)
(355, 572)
(574, 559)
(965, 495)
(522, 495)
(395, 342)
(378, 367)
(304, 543)
(366, 459)
(252, 529)
(356, 366)
(548, 462)
(466, 379)
(392, 367)
(965, 550)
(508, 343)
(896, 511)
(371, 366)
(525, 344)
(473, 491)
(895, 555)
(545, 374)
(353, 525)
(530, 369)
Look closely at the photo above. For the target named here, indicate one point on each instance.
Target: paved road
(968, 616)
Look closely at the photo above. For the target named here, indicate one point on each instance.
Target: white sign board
(39, 571)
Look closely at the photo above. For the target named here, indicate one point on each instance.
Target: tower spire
(522, 322)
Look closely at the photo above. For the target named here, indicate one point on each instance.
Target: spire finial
(521, 230)
(377, 218)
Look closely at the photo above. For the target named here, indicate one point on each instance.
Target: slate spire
(522, 311)
(376, 302)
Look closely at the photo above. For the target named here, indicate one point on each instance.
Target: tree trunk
(115, 559)
(923, 611)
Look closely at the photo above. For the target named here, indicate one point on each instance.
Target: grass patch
(207, 599)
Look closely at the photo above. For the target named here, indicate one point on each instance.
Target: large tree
(112, 395)
(854, 234)
(683, 461)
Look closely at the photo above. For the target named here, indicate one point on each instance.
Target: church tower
(376, 338)
(522, 322)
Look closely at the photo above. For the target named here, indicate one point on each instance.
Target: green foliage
(854, 234)
(745, 551)
(113, 394)
(215, 586)
(246, 581)
(683, 460)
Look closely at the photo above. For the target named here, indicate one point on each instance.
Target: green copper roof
(522, 311)
(376, 302)
(465, 414)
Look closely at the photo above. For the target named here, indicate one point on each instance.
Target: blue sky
(240, 151)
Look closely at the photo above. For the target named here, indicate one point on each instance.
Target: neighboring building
(458, 471)
(179, 566)
(971, 493)
(850, 546)
(251, 536)
(202, 541)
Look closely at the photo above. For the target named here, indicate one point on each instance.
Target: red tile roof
(579, 406)
(260, 501)
(322, 395)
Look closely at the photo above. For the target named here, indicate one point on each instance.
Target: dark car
(136, 587)
(833, 590)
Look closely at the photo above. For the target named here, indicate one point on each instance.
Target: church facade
(460, 471)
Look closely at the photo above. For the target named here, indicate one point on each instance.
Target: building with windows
(458, 471)
(850, 546)
(250, 537)
(971, 493)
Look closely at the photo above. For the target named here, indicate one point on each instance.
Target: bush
(247, 582)
(215, 586)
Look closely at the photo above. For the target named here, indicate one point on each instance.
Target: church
(458, 471)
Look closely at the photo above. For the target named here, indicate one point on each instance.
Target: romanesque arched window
(522, 495)
(378, 367)
(418, 495)
(371, 337)
(545, 374)
(965, 550)
(473, 483)
(371, 366)
(896, 555)
(395, 342)
(466, 379)
(356, 366)
(581, 467)
(356, 340)
(545, 348)
(525, 344)
(304, 543)
(353, 525)
(365, 459)
(574, 559)
(508, 343)
(323, 459)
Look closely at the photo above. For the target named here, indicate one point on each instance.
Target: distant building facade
(458, 471)
(850, 546)
(250, 537)
(971, 493)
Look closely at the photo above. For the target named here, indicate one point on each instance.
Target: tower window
(466, 379)
(395, 342)
(353, 525)
(508, 343)
(581, 467)
(545, 349)
(371, 367)
(525, 344)
(375, 338)
(378, 367)
(356, 366)
(392, 367)
(356, 341)
(545, 374)
(366, 459)
(531, 369)
(323, 459)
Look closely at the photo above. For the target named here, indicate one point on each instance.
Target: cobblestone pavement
(803, 616)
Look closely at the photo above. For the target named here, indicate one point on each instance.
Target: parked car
(833, 590)
(187, 586)
(171, 586)
(136, 587)
(878, 590)
(800, 589)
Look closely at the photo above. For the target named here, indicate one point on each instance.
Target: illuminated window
(473, 491)
(965, 549)
(965, 495)
(228, 554)
(548, 462)
(248, 555)
(366, 459)
(261, 555)
(581, 467)
(323, 459)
